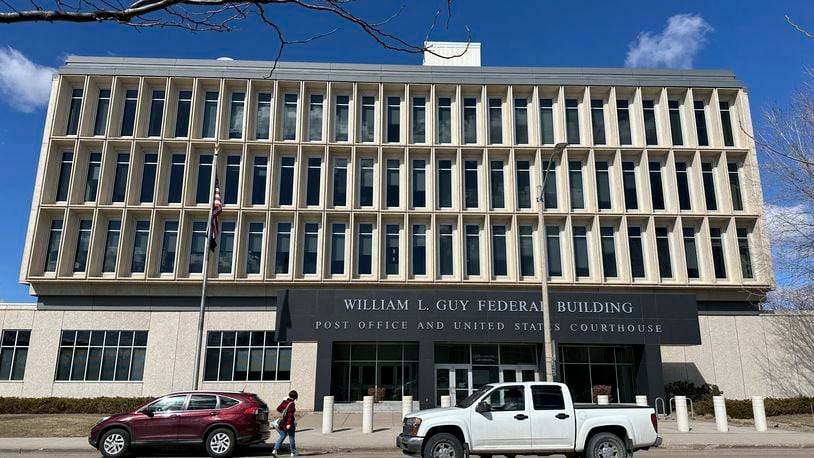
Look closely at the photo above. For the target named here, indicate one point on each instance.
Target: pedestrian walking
(286, 424)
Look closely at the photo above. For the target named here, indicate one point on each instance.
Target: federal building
(381, 235)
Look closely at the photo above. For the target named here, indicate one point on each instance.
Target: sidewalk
(348, 435)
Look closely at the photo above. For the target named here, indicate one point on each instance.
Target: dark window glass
(444, 120)
(735, 186)
(254, 248)
(337, 248)
(232, 185)
(603, 195)
(419, 119)
(743, 252)
(237, 108)
(282, 256)
(94, 171)
(64, 177)
(683, 184)
(129, 113)
(419, 183)
(526, 251)
(314, 181)
(102, 107)
(259, 173)
(168, 246)
(315, 118)
(629, 183)
(675, 122)
(419, 249)
(623, 118)
(176, 179)
(701, 123)
(546, 121)
(148, 178)
(393, 119)
(365, 249)
(550, 184)
(342, 117)
(226, 247)
(210, 114)
(554, 259)
(581, 251)
(691, 253)
(608, 251)
(572, 121)
(82, 246)
(663, 248)
(263, 119)
(112, 245)
(523, 184)
(470, 120)
(726, 124)
(391, 247)
(445, 183)
(74, 111)
(197, 245)
(650, 133)
(598, 121)
(496, 176)
(340, 182)
(575, 184)
(204, 175)
(286, 181)
(93, 356)
(634, 235)
(368, 122)
(445, 249)
(392, 185)
(139, 260)
(156, 114)
(366, 182)
(249, 357)
(718, 260)
(13, 354)
(709, 186)
(310, 248)
(472, 250)
(471, 184)
(120, 180)
(289, 117)
(547, 397)
(499, 263)
(521, 121)
(656, 187)
(182, 116)
(202, 402)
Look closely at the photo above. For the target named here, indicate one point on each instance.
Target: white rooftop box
(452, 54)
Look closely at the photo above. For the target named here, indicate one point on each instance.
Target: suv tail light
(250, 411)
(655, 421)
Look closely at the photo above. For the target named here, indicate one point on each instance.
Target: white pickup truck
(530, 418)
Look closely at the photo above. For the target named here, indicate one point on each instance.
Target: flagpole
(205, 269)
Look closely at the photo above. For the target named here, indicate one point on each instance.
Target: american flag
(217, 208)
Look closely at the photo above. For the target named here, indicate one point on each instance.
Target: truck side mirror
(482, 407)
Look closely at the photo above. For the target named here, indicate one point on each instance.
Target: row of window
(311, 126)
(504, 246)
(607, 177)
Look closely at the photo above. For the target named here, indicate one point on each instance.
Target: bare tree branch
(805, 32)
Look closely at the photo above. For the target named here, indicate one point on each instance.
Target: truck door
(506, 425)
(552, 418)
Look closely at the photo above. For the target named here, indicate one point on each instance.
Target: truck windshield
(469, 400)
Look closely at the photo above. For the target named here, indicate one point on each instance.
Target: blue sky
(749, 37)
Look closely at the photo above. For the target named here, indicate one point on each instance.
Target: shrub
(704, 392)
(742, 408)
(101, 405)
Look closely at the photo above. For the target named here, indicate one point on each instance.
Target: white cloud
(787, 224)
(23, 84)
(674, 47)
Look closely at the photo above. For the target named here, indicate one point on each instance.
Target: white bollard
(641, 400)
(327, 414)
(719, 407)
(406, 406)
(445, 401)
(367, 414)
(759, 411)
(681, 414)
(602, 399)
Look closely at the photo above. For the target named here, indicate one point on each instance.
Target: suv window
(547, 398)
(225, 402)
(202, 402)
(507, 398)
(168, 404)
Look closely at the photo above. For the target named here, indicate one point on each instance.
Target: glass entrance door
(454, 380)
(518, 373)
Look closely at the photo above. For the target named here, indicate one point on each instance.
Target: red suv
(220, 421)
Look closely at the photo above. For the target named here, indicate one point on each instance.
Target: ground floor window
(386, 371)
(592, 370)
(239, 356)
(13, 353)
(102, 355)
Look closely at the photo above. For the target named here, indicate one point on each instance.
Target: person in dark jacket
(288, 425)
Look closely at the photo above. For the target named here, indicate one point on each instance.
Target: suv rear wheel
(114, 443)
(606, 445)
(443, 445)
(220, 443)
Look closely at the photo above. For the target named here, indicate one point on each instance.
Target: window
(156, 114)
(286, 196)
(623, 118)
(419, 120)
(120, 179)
(254, 248)
(663, 248)
(169, 404)
(496, 176)
(313, 181)
(129, 112)
(232, 186)
(80, 261)
(550, 184)
(675, 122)
(523, 184)
(366, 182)
(391, 249)
(470, 120)
(236, 110)
(140, 239)
(726, 124)
(237, 356)
(691, 253)
(575, 184)
(718, 260)
(419, 249)
(13, 353)
(147, 177)
(444, 120)
(656, 187)
(499, 263)
(634, 240)
(629, 183)
(650, 132)
(197, 246)
(101, 355)
(735, 186)
(526, 251)
(259, 173)
(53, 246)
(572, 120)
(547, 397)
(176, 179)
(368, 122)
(263, 120)
(683, 184)
(282, 256)
(419, 183)
(64, 177)
(445, 249)
(94, 170)
(315, 118)
(202, 402)
(554, 262)
(393, 119)
(603, 195)
(112, 245)
(608, 251)
(546, 121)
(289, 116)
(74, 112)
(581, 251)
(743, 252)
(598, 121)
(507, 399)
(340, 194)
(392, 183)
(521, 121)
(472, 250)
(471, 184)
(342, 116)
(701, 123)
(226, 247)
(210, 114)
(365, 249)
(182, 116)
(310, 248)
(709, 186)
(495, 120)
(204, 175)
(102, 107)
(337, 249)
(168, 246)
(445, 183)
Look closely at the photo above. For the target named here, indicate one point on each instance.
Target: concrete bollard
(327, 414)
(759, 412)
(602, 399)
(641, 400)
(445, 401)
(682, 418)
(367, 414)
(719, 407)
(406, 406)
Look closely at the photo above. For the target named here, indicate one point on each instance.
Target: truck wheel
(114, 443)
(606, 445)
(443, 445)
